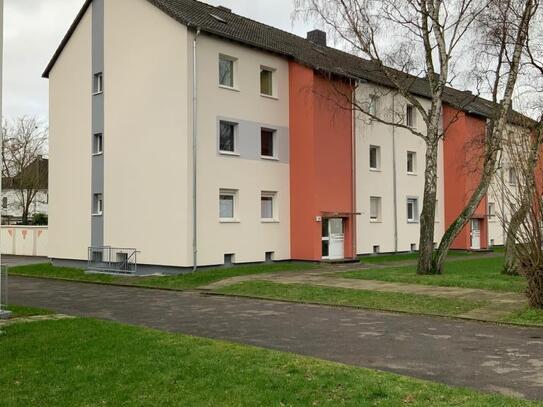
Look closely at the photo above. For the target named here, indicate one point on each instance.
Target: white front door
(475, 234)
(335, 239)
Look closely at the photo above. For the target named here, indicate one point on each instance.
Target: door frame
(328, 239)
(478, 221)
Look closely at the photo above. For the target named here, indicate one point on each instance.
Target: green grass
(529, 316)
(396, 258)
(421, 304)
(484, 273)
(20, 312)
(179, 282)
(84, 362)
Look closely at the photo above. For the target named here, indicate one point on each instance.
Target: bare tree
(24, 142)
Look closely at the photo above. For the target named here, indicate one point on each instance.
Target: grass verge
(83, 362)
(528, 316)
(414, 303)
(21, 312)
(178, 282)
(397, 258)
(484, 273)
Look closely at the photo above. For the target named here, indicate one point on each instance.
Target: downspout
(394, 177)
(353, 176)
(195, 152)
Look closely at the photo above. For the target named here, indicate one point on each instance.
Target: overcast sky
(34, 28)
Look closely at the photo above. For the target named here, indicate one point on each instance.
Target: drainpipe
(195, 152)
(353, 176)
(394, 176)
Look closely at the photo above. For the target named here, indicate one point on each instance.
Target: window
(375, 157)
(226, 71)
(98, 204)
(373, 105)
(411, 162)
(410, 116)
(229, 259)
(267, 206)
(376, 249)
(269, 257)
(512, 175)
(375, 209)
(227, 137)
(412, 210)
(266, 81)
(5, 202)
(491, 210)
(414, 247)
(267, 143)
(98, 83)
(227, 205)
(98, 144)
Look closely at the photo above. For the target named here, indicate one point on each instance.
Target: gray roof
(221, 22)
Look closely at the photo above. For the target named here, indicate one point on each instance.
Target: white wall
(380, 183)
(25, 240)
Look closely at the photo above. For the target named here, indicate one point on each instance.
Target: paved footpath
(461, 353)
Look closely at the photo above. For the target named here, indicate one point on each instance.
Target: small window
(267, 143)
(375, 209)
(98, 83)
(512, 175)
(373, 105)
(376, 249)
(227, 204)
(270, 257)
(266, 81)
(98, 204)
(412, 210)
(375, 157)
(267, 206)
(226, 71)
(410, 116)
(491, 210)
(492, 243)
(5, 202)
(414, 247)
(229, 259)
(98, 144)
(227, 137)
(411, 162)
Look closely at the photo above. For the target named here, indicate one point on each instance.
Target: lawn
(482, 273)
(178, 282)
(529, 316)
(354, 298)
(83, 362)
(397, 258)
(19, 312)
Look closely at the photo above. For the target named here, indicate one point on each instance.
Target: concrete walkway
(500, 304)
(487, 357)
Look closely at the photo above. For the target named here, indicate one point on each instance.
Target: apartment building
(235, 135)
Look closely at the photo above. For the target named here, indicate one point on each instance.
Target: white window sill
(229, 153)
(376, 221)
(98, 154)
(269, 96)
(98, 214)
(411, 173)
(265, 157)
(269, 221)
(375, 169)
(413, 222)
(234, 89)
(97, 93)
(225, 220)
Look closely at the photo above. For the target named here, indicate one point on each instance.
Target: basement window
(376, 249)
(413, 247)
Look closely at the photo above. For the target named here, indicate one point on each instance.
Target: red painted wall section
(462, 151)
(321, 168)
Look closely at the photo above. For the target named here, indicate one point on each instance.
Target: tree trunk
(428, 214)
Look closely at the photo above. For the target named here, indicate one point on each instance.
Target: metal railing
(113, 260)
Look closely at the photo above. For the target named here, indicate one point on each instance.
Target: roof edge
(66, 38)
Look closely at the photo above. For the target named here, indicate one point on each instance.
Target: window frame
(235, 131)
(412, 154)
(378, 218)
(416, 216)
(273, 196)
(98, 83)
(410, 116)
(273, 87)
(230, 193)
(491, 209)
(377, 157)
(233, 61)
(274, 143)
(373, 106)
(5, 202)
(98, 204)
(512, 180)
(95, 144)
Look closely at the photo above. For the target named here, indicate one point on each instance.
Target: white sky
(34, 28)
